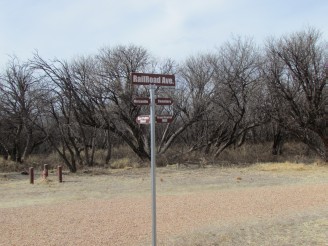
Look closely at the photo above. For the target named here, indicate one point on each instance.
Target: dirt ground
(259, 205)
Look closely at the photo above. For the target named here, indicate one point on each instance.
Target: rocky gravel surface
(293, 213)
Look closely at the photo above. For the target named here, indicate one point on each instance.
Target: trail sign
(143, 119)
(141, 101)
(164, 118)
(163, 101)
(152, 79)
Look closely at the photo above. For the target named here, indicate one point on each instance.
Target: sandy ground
(194, 207)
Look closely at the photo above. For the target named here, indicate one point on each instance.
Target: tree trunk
(325, 142)
(93, 150)
(222, 147)
(16, 154)
(70, 164)
(277, 143)
(109, 148)
(6, 154)
(27, 145)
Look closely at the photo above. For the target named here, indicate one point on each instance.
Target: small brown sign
(141, 101)
(164, 118)
(143, 119)
(163, 101)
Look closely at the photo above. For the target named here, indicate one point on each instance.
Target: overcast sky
(167, 28)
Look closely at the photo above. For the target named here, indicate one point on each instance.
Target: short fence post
(45, 170)
(60, 174)
(31, 173)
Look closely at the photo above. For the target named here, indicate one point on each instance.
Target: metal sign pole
(153, 80)
(153, 161)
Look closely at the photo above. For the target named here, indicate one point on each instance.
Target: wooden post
(31, 173)
(45, 170)
(60, 174)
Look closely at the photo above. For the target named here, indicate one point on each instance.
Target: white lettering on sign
(143, 119)
(146, 80)
(141, 101)
(164, 118)
(153, 79)
(163, 101)
(167, 81)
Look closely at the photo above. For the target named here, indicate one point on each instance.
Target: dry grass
(124, 163)
(285, 167)
(123, 157)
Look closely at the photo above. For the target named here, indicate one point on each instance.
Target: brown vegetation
(123, 158)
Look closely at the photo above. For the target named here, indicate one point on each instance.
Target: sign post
(153, 80)
(153, 161)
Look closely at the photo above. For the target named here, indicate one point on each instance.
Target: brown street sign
(141, 101)
(163, 101)
(143, 119)
(164, 118)
(152, 79)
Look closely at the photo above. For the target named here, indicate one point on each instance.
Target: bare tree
(238, 94)
(115, 94)
(60, 106)
(297, 75)
(192, 100)
(18, 91)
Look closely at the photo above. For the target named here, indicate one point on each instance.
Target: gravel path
(127, 220)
